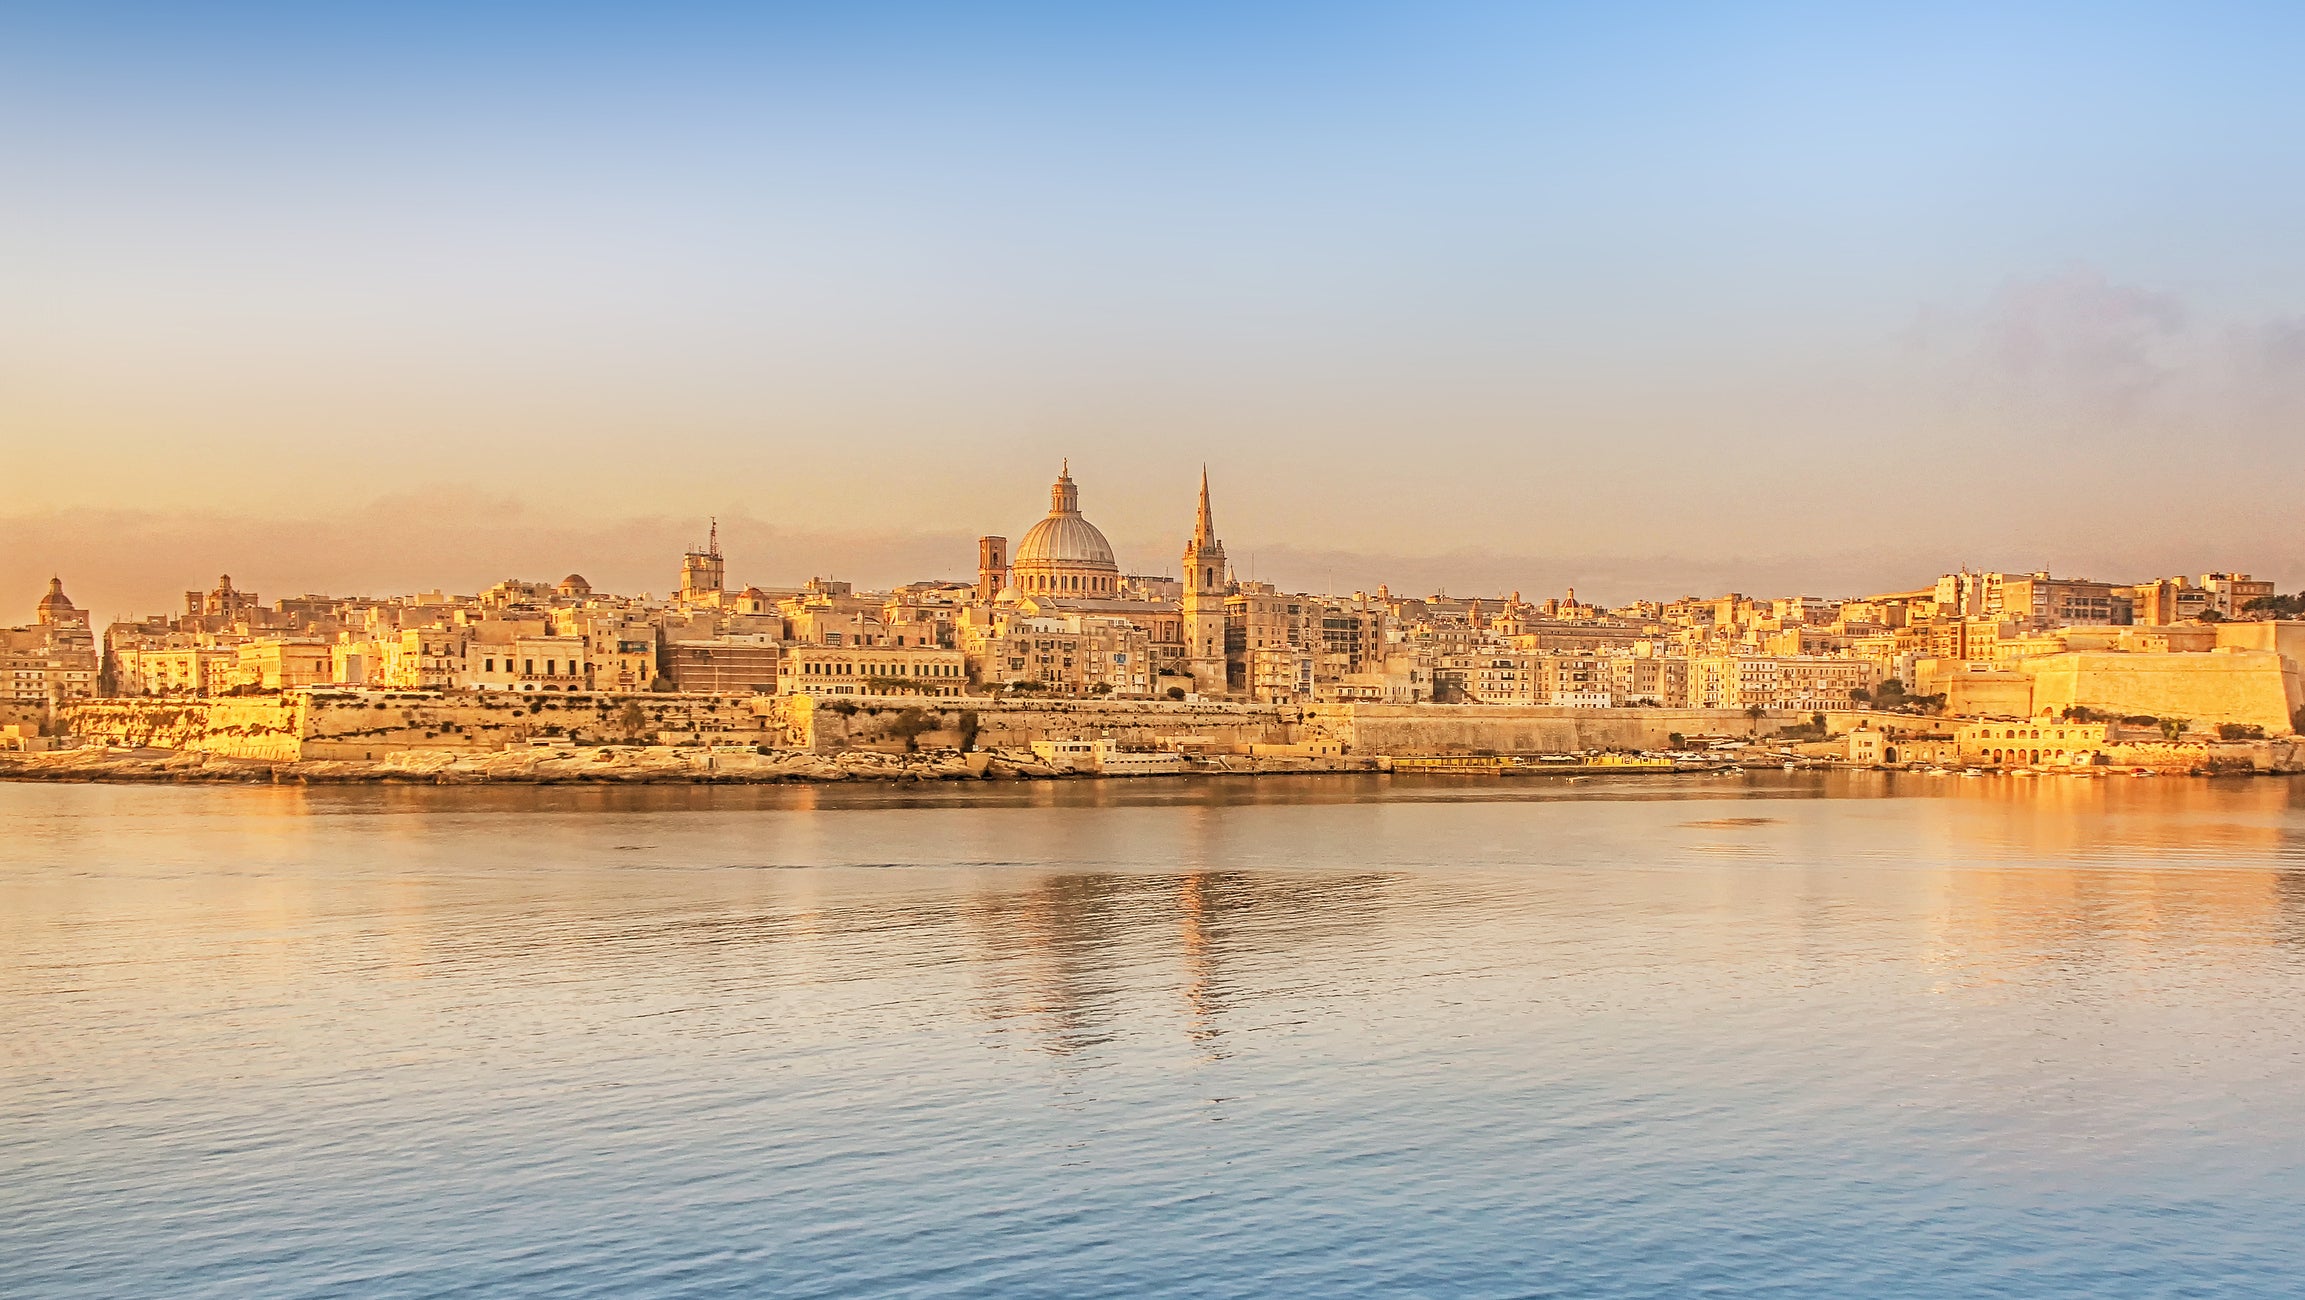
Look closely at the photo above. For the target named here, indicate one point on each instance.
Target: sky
(1645, 299)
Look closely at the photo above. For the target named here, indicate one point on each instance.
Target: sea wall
(372, 725)
(1410, 729)
(261, 727)
(887, 724)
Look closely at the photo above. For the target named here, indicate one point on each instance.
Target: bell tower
(991, 568)
(702, 574)
(1206, 579)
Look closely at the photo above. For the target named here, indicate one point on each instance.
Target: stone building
(703, 574)
(850, 671)
(172, 664)
(2041, 742)
(726, 666)
(423, 659)
(1272, 643)
(1787, 684)
(280, 663)
(1063, 654)
(222, 608)
(53, 660)
(513, 657)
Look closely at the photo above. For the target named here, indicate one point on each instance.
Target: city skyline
(1053, 612)
(629, 557)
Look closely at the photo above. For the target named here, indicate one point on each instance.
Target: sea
(1762, 1034)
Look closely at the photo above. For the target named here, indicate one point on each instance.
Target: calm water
(1783, 1036)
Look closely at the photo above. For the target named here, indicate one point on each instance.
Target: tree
(1676, 740)
(1859, 695)
(1817, 720)
(2240, 731)
(907, 727)
(1176, 692)
(2171, 728)
(2277, 606)
(630, 723)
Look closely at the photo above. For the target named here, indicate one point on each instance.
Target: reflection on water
(1808, 1035)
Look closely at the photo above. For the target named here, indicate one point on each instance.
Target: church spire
(1205, 528)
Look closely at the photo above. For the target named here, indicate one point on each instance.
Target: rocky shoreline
(747, 765)
(599, 765)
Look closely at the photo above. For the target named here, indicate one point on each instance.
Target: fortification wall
(259, 727)
(373, 725)
(2230, 685)
(886, 724)
(1520, 729)
(1973, 693)
(355, 726)
(2284, 637)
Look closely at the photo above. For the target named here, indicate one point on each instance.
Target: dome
(57, 600)
(574, 582)
(1065, 539)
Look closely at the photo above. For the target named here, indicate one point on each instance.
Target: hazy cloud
(2078, 341)
(2068, 353)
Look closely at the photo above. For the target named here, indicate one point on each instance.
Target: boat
(1526, 765)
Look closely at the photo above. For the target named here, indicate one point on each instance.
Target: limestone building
(53, 660)
(214, 611)
(871, 670)
(703, 575)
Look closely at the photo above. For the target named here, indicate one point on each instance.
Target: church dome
(57, 600)
(1065, 539)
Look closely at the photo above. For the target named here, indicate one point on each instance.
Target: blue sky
(1631, 293)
